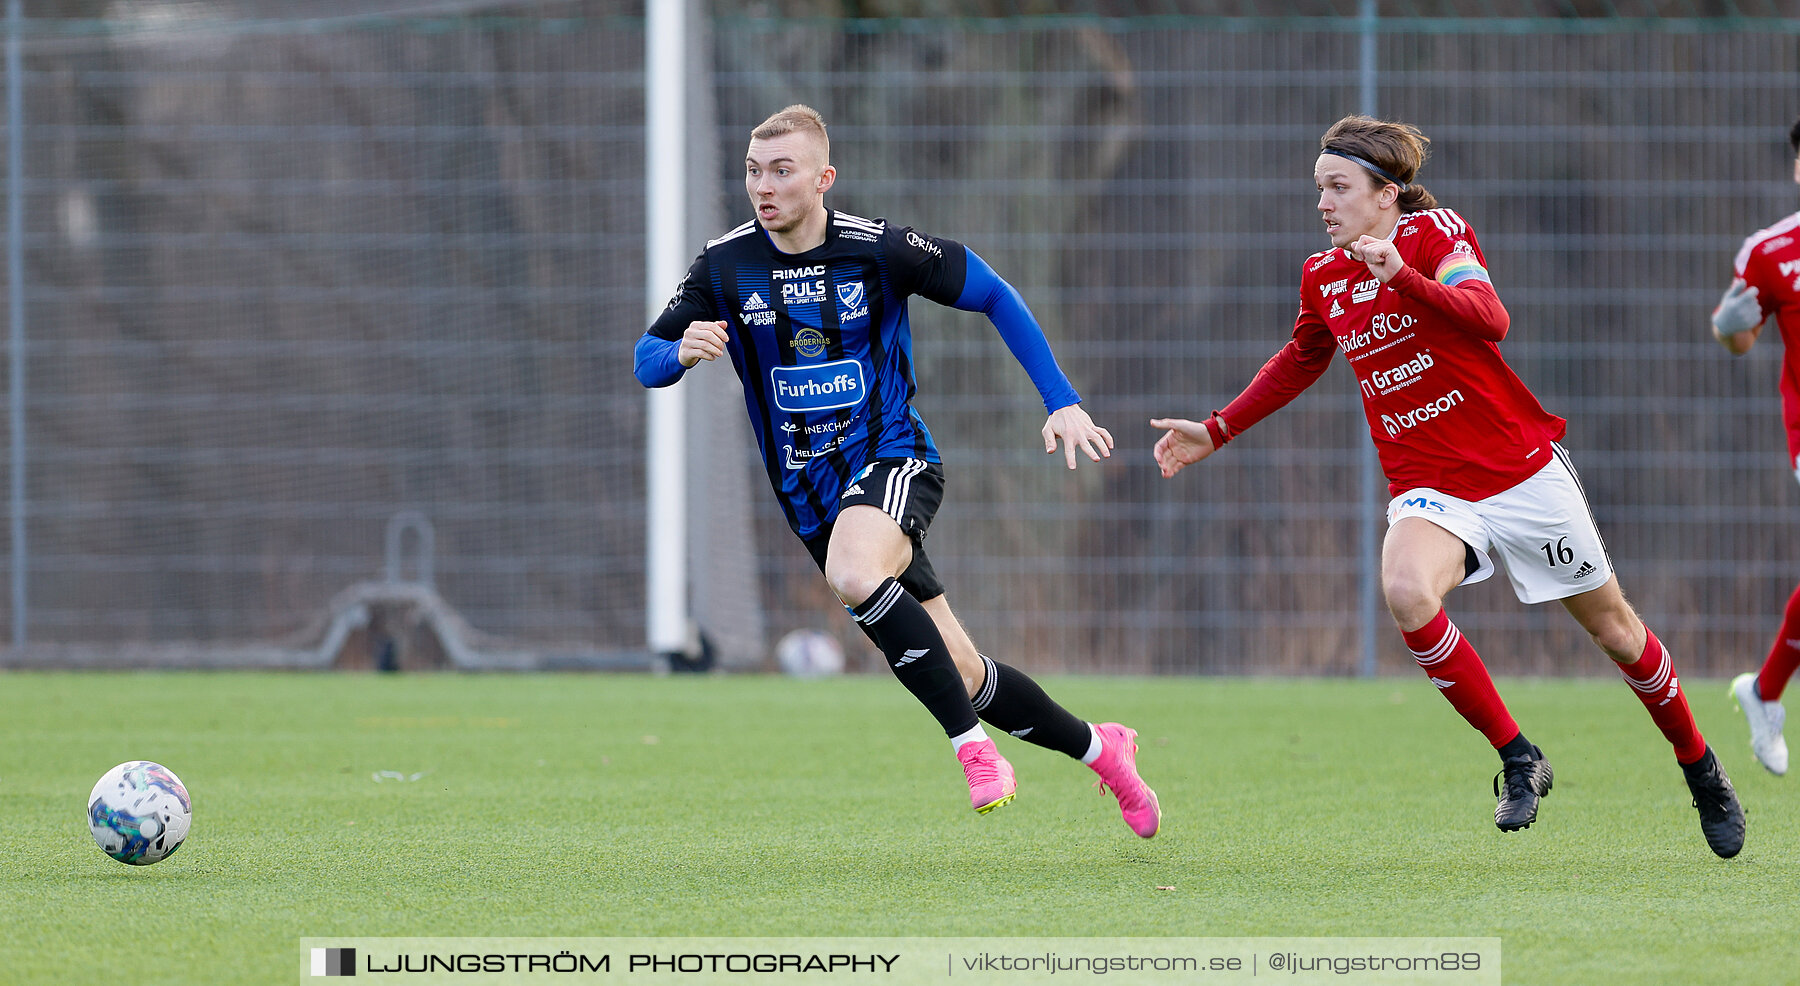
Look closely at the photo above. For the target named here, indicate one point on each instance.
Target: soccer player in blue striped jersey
(810, 307)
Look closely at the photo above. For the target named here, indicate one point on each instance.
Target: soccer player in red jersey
(1470, 456)
(1767, 283)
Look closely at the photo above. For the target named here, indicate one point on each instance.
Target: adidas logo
(1441, 683)
(1336, 309)
(1585, 570)
(755, 303)
(851, 490)
(910, 656)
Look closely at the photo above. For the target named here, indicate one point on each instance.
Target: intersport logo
(1397, 423)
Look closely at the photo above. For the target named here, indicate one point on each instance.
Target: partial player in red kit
(1470, 456)
(1767, 284)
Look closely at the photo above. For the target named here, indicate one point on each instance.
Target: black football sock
(1010, 700)
(1518, 746)
(916, 653)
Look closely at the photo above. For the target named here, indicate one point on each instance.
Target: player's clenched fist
(702, 341)
(1381, 255)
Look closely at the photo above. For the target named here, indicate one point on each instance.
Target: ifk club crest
(852, 301)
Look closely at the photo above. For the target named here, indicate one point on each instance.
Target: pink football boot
(1117, 767)
(990, 777)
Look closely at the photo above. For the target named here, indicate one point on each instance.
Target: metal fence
(288, 279)
(285, 279)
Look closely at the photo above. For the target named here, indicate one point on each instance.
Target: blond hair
(796, 119)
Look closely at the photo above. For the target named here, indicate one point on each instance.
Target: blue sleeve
(986, 292)
(655, 363)
(654, 359)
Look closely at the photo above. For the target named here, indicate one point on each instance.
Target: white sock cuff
(961, 740)
(1093, 750)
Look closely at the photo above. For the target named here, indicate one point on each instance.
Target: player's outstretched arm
(1738, 319)
(1469, 302)
(1077, 430)
(1291, 370)
(987, 292)
(1183, 443)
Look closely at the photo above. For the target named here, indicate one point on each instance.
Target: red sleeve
(1753, 267)
(1299, 363)
(1471, 306)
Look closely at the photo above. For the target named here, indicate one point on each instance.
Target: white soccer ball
(139, 812)
(810, 654)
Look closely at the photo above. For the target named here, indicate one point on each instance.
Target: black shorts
(908, 490)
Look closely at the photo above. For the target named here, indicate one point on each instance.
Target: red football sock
(1457, 670)
(1653, 678)
(1784, 654)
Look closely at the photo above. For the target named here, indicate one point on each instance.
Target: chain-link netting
(291, 274)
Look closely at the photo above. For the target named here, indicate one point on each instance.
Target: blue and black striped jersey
(822, 344)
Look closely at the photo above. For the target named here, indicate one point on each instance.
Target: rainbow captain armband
(1461, 266)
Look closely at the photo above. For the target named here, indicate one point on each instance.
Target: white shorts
(1542, 528)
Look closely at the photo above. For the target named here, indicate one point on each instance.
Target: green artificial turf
(610, 805)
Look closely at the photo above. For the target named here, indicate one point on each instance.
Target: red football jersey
(1444, 409)
(1770, 263)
